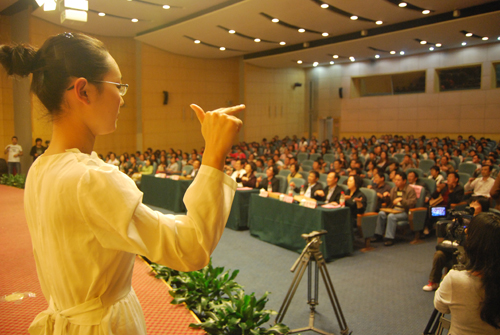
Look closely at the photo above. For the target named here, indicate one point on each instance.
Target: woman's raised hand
(219, 129)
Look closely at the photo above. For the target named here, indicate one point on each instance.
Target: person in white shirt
(15, 151)
(435, 175)
(239, 171)
(112, 160)
(481, 186)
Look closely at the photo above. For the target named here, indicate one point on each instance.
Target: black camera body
(453, 229)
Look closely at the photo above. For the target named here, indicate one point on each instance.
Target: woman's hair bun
(18, 59)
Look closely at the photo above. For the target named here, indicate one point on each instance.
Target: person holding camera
(472, 296)
(444, 259)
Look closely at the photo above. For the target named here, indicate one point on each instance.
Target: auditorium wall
(6, 100)
(432, 113)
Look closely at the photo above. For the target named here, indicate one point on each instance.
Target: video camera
(453, 229)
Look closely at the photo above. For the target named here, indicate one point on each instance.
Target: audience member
(271, 172)
(238, 170)
(354, 198)
(248, 179)
(112, 159)
(407, 163)
(495, 192)
(331, 193)
(481, 186)
(311, 187)
(382, 189)
(37, 149)
(436, 175)
(294, 172)
(15, 151)
(173, 167)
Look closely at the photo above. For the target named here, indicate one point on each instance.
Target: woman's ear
(81, 88)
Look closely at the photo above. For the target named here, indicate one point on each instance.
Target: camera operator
(472, 296)
(444, 259)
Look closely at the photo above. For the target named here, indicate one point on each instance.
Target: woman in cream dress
(86, 218)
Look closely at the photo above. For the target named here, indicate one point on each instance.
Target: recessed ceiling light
(379, 22)
(102, 14)
(325, 5)
(392, 52)
(299, 62)
(282, 43)
(423, 42)
(426, 11)
(335, 56)
(431, 48)
(464, 43)
(402, 4)
(332, 62)
(222, 48)
(354, 17)
(468, 34)
(498, 38)
(275, 20)
(166, 7)
(438, 45)
(324, 34)
(315, 64)
(301, 30)
(352, 59)
(401, 52)
(135, 20)
(257, 40)
(485, 38)
(197, 41)
(377, 56)
(231, 31)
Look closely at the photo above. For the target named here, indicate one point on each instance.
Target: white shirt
(87, 222)
(14, 149)
(115, 162)
(480, 186)
(330, 192)
(439, 179)
(308, 191)
(238, 174)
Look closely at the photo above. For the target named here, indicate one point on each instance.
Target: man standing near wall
(15, 151)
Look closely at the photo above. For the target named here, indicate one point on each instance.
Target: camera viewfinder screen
(438, 211)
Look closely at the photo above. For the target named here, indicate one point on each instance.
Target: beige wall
(209, 83)
(431, 113)
(6, 101)
(274, 107)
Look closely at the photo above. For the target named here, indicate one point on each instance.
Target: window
(389, 84)
(459, 78)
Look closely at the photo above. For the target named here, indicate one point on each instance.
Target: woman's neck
(68, 135)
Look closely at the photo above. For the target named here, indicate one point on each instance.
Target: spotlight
(332, 62)
(426, 11)
(352, 59)
(324, 34)
(166, 7)
(423, 42)
(197, 41)
(438, 45)
(315, 64)
(257, 40)
(354, 17)
(485, 38)
(231, 31)
(401, 52)
(135, 20)
(282, 43)
(102, 14)
(379, 22)
(301, 30)
(299, 62)
(431, 48)
(377, 56)
(337, 56)
(464, 43)
(325, 5)
(392, 52)
(468, 34)
(275, 20)
(402, 4)
(222, 48)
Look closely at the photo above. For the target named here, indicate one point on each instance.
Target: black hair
(381, 175)
(38, 139)
(436, 168)
(61, 57)
(489, 166)
(316, 173)
(455, 174)
(358, 182)
(401, 174)
(14, 137)
(482, 201)
(483, 252)
(253, 166)
(335, 173)
(275, 169)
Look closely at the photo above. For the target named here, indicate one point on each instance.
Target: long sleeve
(442, 297)
(119, 220)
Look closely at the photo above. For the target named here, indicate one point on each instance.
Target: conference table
(238, 217)
(282, 224)
(164, 192)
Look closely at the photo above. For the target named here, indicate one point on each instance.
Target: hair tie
(67, 35)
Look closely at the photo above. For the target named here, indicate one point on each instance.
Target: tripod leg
(293, 288)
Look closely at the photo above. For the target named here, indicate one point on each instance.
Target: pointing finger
(199, 112)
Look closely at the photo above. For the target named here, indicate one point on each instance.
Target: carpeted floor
(18, 274)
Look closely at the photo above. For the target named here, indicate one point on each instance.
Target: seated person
(407, 163)
(435, 175)
(481, 186)
(331, 193)
(147, 168)
(271, 172)
(393, 166)
(318, 166)
(471, 296)
(294, 172)
(238, 170)
(248, 179)
(173, 167)
(196, 167)
(476, 161)
(369, 170)
(402, 198)
(133, 167)
(337, 167)
(260, 165)
(451, 191)
(382, 189)
(354, 198)
(413, 179)
(277, 161)
(445, 165)
(490, 162)
(312, 186)
(112, 158)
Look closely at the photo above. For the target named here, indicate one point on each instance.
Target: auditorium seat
(367, 222)
(284, 172)
(417, 215)
(302, 157)
(425, 165)
(467, 168)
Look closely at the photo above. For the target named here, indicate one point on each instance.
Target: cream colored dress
(87, 223)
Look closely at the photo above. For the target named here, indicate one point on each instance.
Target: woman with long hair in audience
(248, 179)
(162, 167)
(86, 218)
(123, 164)
(294, 172)
(472, 296)
(392, 151)
(383, 162)
(369, 169)
(343, 160)
(133, 167)
(354, 198)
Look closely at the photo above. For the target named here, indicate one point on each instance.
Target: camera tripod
(311, 253)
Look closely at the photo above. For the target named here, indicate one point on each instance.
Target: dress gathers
(87, 222)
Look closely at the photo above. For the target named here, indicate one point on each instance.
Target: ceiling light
(468, 34)
(352, 59)
(324, 34)
(102, 14)
(354, 17)
(402, 4)
(135, 20)
(426, 11)
(431, 48)
(401, 52)
(498, 38)
(257, 40)
(423, 42)
(379, 22)
(377, 56)
(332, 62)
(335, 56)
(166, 7)
(231, 31)
(438, 45)
(315, 64)
(325, 5)
(197, 41)
(282, 43)
(485, 38)
(302, 30)
(299, 62)
(392, 52)
(275, 20)
(222, 48)
(464, 43)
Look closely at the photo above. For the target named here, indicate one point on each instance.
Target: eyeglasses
(122, 88)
